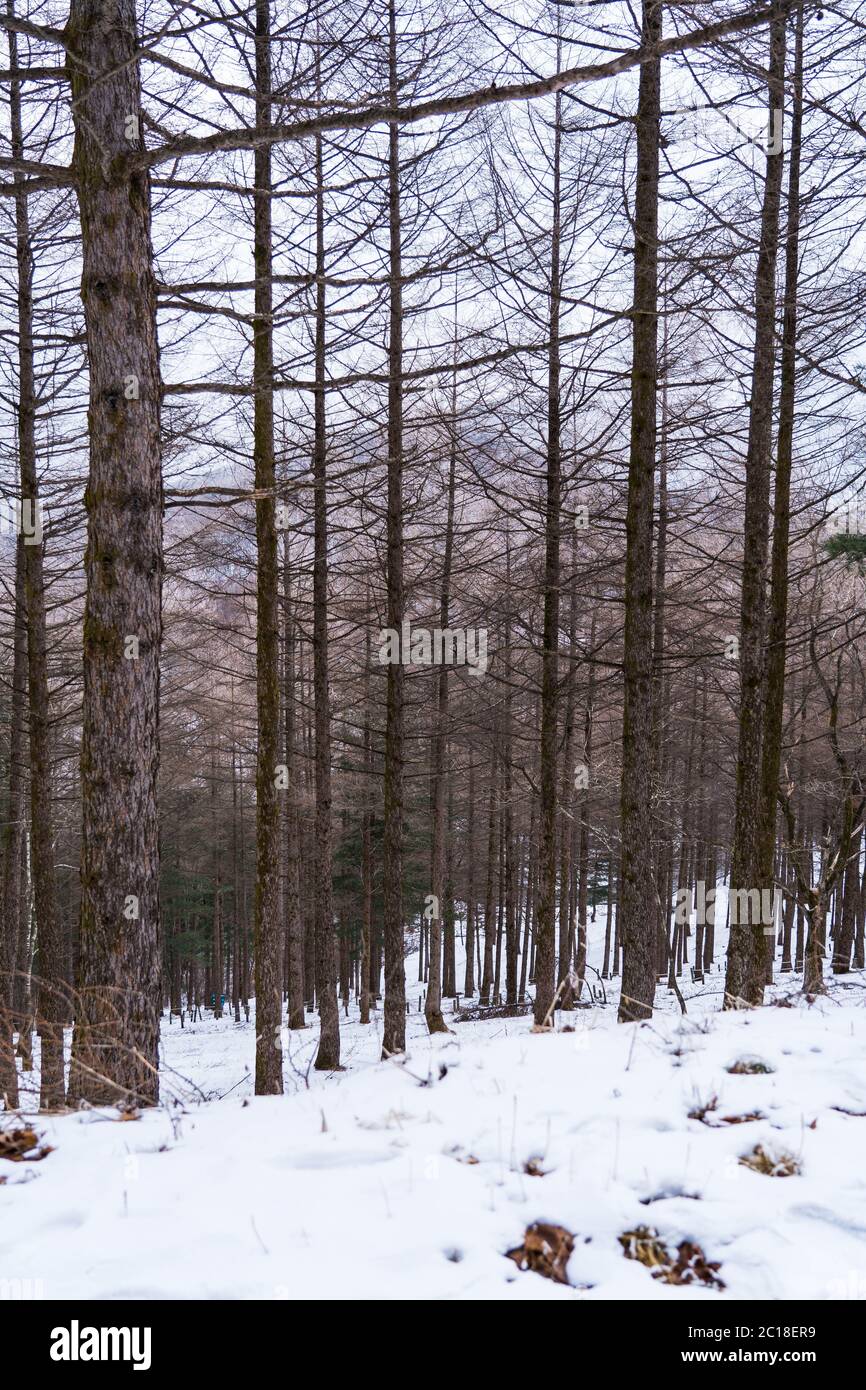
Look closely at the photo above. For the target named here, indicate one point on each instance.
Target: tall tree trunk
(328, 1054)
(545, 929)
(394, 1028)
(746, 965)
(771, 751)
(269, 1052)
(637, 914)
(13, 831)
(115, 1046)
(294, 923)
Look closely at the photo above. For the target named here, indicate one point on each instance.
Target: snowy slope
(407, 1181)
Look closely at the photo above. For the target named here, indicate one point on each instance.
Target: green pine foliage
(850, 546)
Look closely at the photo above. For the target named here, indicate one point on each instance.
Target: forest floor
(414, 1179)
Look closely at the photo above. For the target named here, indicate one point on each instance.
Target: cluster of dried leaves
(688, 1266)
(774, 1165)
(546, 1250)
(750, 1066)
(707, 1115)
(21, 1143)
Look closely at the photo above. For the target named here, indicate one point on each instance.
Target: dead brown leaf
(750, 1066)
(772, 1165)
(688, 1266)
(546, 1249)
(22, 1144)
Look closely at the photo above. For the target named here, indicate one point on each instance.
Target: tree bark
(843, 940)
(583, 850)
(492, 859)
(564, 969)
(13, 834)
(394, 1029)
(115, 1046)
(637, 913)
(217, 925)
(433, 1001)
(51, 985)
(294, 923)
(545, 928)
(471, 905)
(366, 993)
(771, 751)
(269, 1052)
(746, 964)
(328, 1053)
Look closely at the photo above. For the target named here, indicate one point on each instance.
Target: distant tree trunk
(294, 923)
(545, 927)
(608, 933)
(637, 914)
(529, 904)
(564, 969)
(236, 878)
(698, 867)
(394, 1026)
(675, 953)
(241, 900)
(433, 1001)
(662, 840)
(52, 1006)
(843, 940)
(115, 1046)
(583, 851)
(449, 953)
(24, 961)
(859, 942)
(13, 830)
(366, 993)
(471, 906)
(268, 952)
(788, 915)
(500, 905)
(492, 854)
(512, 941)
(710, 875)
(813, 959)
(217, 936)
(746, 965)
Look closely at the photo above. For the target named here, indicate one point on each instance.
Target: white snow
(406, 1180)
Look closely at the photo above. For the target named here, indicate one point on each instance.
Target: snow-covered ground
(409, 1180)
